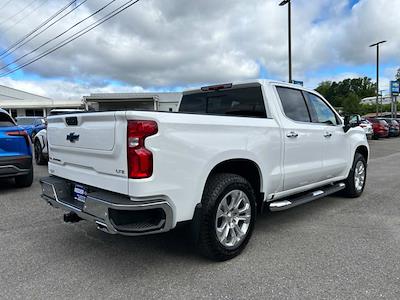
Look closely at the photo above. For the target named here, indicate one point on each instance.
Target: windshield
(25, 121)
(383, 122)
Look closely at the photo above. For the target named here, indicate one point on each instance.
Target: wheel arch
(41, 137)
(246, 168)
(363, 150)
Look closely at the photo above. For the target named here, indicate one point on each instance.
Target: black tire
(24, 180)
(39, 158)
(351, 191)
(217, 187)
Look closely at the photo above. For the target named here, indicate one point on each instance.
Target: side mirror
(351, 121)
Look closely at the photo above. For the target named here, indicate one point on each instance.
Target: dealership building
(382, 100)
(132, 101)
(20, 103)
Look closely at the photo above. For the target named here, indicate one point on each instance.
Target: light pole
(289, 3)
(377, 72)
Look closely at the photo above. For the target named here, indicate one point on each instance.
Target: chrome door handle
(327, 134)
(292, 134)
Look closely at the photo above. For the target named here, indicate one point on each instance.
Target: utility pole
(377, 72)
(289, 3)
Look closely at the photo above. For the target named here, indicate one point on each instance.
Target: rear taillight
(21, 133)
(140, 159)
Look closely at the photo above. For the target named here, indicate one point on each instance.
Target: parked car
(380, 128)
(394, 128)
(32, 125)
(40, 147)
(15, 152)
(367, 126)
(40, 139)
(230, 150)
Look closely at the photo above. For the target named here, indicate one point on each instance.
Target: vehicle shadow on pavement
(156, 251)
(316, 213)
(6, 184)
(118, 250)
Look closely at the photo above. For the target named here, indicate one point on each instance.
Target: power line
(18, 12)
(38, 27)
(26, 39)
(24, 16)
(75, 36)
(5, 4)
(59, 35)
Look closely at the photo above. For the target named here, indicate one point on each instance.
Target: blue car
(32, 125)
(15, 152)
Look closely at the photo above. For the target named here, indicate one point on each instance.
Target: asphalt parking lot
(331, 248)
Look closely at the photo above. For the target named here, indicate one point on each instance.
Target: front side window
(294, 104)
(323, 112)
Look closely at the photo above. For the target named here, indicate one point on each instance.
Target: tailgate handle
(71, 121)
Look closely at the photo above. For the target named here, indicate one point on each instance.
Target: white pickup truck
(231, 150)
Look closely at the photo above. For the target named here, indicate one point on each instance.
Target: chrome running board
(314, 195)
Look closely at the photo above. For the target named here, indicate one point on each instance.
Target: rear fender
(226, 156)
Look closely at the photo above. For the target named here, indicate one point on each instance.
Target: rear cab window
(235, 101)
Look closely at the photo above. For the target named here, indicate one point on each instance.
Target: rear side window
(5, 120)
(243, 102)
(294, 104)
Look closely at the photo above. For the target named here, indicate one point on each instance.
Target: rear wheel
(228, 216)
(24, 180)
(39, 158)
(355, 182)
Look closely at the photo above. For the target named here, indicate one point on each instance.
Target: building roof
(8, 93)
(372, 100)
(11, 98)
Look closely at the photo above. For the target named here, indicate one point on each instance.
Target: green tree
(337, 93)
(351, 104)
(398, 74)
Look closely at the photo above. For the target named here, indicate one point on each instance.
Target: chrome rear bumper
(112, 213)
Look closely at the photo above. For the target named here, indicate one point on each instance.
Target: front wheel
(228, 216)
(355, 182)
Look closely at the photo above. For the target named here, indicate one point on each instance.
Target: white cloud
(63, 90)
(157, 43)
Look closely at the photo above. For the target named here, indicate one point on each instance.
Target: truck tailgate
(90, 148)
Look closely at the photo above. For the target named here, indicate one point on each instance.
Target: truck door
(336, 147)
(303, 140)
